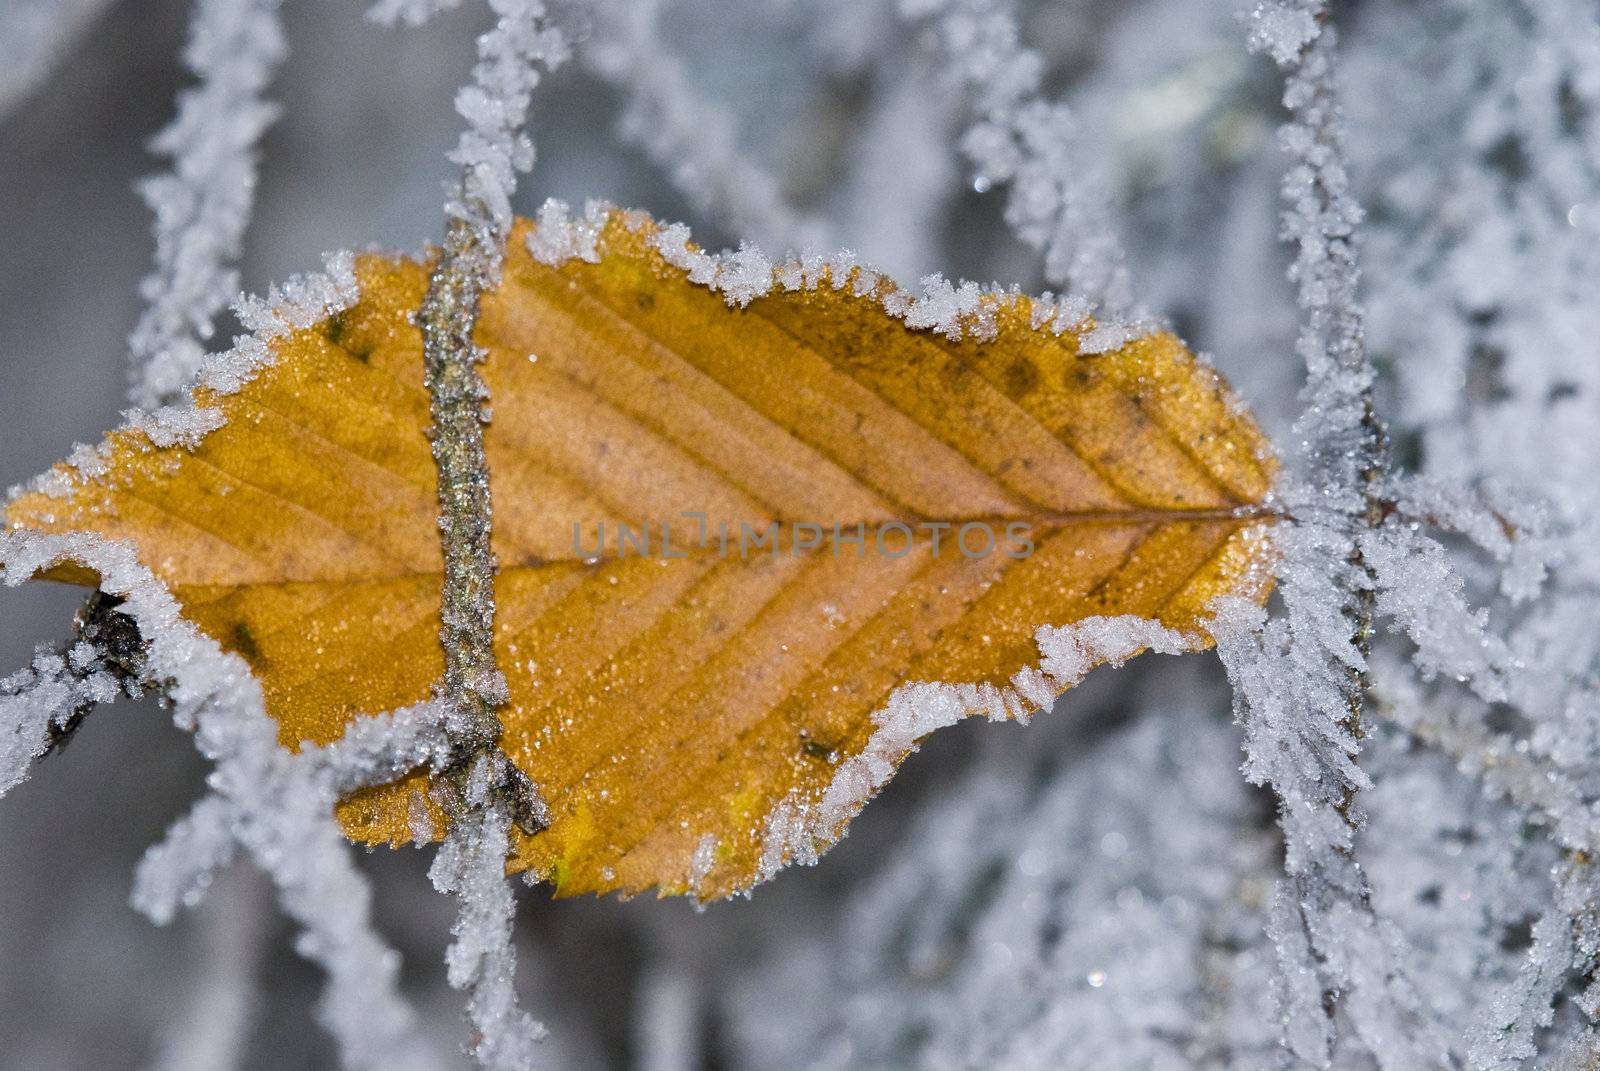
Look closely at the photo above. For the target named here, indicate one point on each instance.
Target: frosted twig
(1415, 585)
(491, 152)
(1505, 1038)
(472, 683)
(271, 802)
(490, 792)
(40, 703)
(1517, 530)
(470, 864)
(377, 749)
(1056, 204)
(202, 206)
(41, 706)
(1299, 681)
(692, 138)
(177, 870)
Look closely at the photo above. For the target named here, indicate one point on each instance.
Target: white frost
(558, 238)
(202, 206)
(482, 960)
(494, 148)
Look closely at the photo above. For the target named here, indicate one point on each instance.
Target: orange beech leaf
(732, 538)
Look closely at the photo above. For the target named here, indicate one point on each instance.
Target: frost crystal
(558, 239)
(954, 310)
(943, 307)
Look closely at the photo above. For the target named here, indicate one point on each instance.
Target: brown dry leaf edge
(686, 710)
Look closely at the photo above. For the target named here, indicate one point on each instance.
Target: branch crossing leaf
(685, 692)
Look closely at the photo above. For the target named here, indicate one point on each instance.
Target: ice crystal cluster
(1363, 834)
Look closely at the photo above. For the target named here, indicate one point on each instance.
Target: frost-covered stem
(489, 792)
(1300, 680)
(472, 683)
(1348, 458)
(42, 706)
(1056, 204)
(203, 204)
(693, 139)
(482, 959)
(105, 644)
(490, 153)
(1507, 1037)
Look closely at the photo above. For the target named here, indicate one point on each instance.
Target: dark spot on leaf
(338, 331)
(815, 749)
(1021, 377)
(245, 642)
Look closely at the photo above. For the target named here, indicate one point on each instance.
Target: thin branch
(1300, 681)
(274, 804)
(1057, 204)
(694, 139)
(485, 792)
(204, 203)
(490, 152)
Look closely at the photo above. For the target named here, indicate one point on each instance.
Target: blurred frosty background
(1097, 876)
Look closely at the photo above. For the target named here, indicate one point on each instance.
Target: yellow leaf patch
(722, 653)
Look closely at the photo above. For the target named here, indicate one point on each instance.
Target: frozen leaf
(746, 514)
